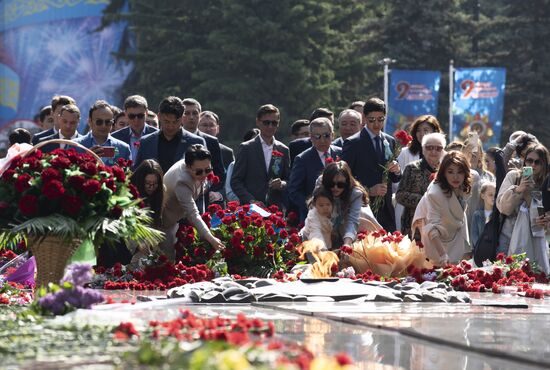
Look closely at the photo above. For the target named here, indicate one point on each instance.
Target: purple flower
(78, 274)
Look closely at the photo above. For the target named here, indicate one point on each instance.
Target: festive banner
(411, 94)
(478, 103)
(52, 48)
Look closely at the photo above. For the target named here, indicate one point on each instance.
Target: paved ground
(494, 332)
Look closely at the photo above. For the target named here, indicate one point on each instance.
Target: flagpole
(451, 92)
(386, 63)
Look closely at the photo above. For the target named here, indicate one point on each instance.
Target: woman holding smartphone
(516, 191)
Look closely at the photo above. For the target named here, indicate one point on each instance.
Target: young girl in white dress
(318, 224)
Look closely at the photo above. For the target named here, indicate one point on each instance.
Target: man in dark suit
(262, 166)
(135, 107)
(299, 145)
(367, 152)
(69, 117)
(209, 123)
(168, 145)
(58, 101)
(310, 164)
(349, 122)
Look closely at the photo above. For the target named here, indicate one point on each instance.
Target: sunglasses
(338, 184)
(374, 119)
(531, 161)
(430, 148)
(134, 115)
(319, 136)
(106, 122)
(272, 123)
(206, 171)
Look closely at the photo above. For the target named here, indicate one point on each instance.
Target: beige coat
(446, 219)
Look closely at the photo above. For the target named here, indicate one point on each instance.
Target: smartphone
(540, 210)
(108, 151)
(527, 172)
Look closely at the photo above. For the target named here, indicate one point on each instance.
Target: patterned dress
(413, 185)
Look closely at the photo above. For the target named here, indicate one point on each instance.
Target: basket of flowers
(55, 201)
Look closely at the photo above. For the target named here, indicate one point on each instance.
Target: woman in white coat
(446, 229)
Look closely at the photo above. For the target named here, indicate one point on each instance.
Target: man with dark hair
(168, 145)
(46, 118)
(191, 113)
(69, 117)
(310, 164)
(367, 152)
(300, 129)
(299, 145)
(98, 139)
(135, 107)
(262, 165)
(58, 102)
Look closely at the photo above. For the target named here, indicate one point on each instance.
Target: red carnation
(89, 168)
(116, 212)
(8, 175)
(329, 160)
(51, 174)
(277, 153)
(91, 187)
(28, 205)
(22, 182)
(283, 234)
(239, 234)
(110, 183)
(60, 162)
(124, 163)
(53, 189)
(215, 180)
(403, 137)
(77, 182)
(71, 204)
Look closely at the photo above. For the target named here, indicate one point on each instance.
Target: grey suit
(180, 193)
(250, 177)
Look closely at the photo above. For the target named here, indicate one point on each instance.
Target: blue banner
(478, 103)
(411, 94)
(51, 47)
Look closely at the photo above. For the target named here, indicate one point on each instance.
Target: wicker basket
(51, 254)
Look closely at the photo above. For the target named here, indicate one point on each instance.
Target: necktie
(378, 145)
(325, 157)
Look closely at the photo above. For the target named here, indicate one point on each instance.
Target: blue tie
(378, 148)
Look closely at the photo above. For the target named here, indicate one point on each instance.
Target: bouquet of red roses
(71, 195)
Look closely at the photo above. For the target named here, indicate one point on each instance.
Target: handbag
(486, 246)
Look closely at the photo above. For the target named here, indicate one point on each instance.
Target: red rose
(89, 168)
(249, 239)
(239, 234)
(91, 187)
(283, 234)
(110, 183)
(232, 206)
(134, 190)
(119, 173)
(60, 162)
(277, 153)
(22, 182)
(77, 182)
(28, 205)
(403, 137)
(329, 160)
(71, 204)
(32, 162)
(124, 163)
(215, 180)
(7, 176)
(227, 220)
(53, 189)
(51, 174)
(213, 208)
(116, 212)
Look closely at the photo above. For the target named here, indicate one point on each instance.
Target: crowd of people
(440, 194)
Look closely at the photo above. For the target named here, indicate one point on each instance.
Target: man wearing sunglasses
(99, 140)
(310, 164)
(135, 107)
(262, 164)
(168, 145)
(367, 153)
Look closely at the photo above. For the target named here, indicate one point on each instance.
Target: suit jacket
(250, 178)
(50, 147)
(298, 146)
(359, 153)
(122, 150)
(36, 138)
(149, 144)
(180, 193)
(305, 170)
(339, 142)
(125, 134)
(227, 156)
(213, 146)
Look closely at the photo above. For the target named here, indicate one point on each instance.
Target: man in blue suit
(349, 122)
(58, 101)
(135, 107)
(367, 152)
(168, 145)
(99, 140)
(69, 117)
(310, 164)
